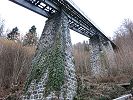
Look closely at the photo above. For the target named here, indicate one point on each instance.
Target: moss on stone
(52, 60)
(56, 66)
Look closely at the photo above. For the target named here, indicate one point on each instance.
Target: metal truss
(77, 20)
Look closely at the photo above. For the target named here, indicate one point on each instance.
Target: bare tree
(15, 61)
(81, 57)
(1, 26)
(124, 40)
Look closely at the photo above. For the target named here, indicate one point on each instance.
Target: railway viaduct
(52, 76)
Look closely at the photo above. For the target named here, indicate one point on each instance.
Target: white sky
(106, 14)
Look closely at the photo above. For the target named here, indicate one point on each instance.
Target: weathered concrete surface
(55, 42)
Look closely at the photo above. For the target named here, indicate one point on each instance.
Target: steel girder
(77, 20)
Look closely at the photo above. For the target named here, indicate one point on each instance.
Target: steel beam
(31, 7)
(51, 4)
(74, 14)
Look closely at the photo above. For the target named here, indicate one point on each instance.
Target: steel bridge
(53, 58)
(78, 21)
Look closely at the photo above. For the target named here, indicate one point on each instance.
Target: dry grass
(15, 61)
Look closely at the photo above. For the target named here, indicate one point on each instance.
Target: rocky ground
(102, 91)
(86, 91)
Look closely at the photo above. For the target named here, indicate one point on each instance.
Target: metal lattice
(78, 21)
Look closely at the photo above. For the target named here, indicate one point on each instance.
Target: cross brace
(77, 20)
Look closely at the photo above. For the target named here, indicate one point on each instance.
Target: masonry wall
(110, 57)
(53, 72)
(101, 57)
(95, 51)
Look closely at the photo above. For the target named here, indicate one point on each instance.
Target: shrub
(15, 63)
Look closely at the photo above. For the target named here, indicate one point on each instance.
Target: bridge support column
(95, 51)
(52, 76)
(101, 57)
(110, 58)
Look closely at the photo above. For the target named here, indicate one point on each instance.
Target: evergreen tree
(13, 35)
(31, 37)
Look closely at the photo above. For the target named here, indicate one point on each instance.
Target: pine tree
(31, 37)
(13, 35)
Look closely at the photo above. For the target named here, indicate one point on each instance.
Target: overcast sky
(106, 14)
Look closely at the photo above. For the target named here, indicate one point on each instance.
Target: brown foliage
(124, 53)
(15, 63)
(81, 57)
(123, 70)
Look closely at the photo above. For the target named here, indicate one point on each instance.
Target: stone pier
(110, 57)
(95, 51)
(52, 76)
(101, 56)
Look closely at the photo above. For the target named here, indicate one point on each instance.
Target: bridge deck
(78, 21)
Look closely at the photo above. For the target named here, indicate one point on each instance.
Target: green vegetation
(53, 61)
(30, 38)
(13, 35)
